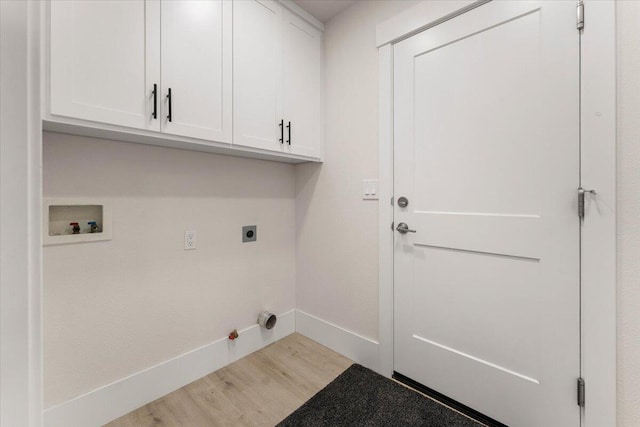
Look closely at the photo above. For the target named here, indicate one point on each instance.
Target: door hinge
(581, 203)
(581, 391)
(580, 15)
(392, 224)
(581, 193)
(391, 201)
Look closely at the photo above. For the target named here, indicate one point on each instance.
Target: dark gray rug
(361, 397)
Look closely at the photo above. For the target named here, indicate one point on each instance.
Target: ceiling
(324, 10)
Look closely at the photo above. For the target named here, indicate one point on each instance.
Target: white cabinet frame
(598, 163)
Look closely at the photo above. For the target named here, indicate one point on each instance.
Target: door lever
(403, 228)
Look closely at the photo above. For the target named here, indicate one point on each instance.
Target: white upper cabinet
(257, 78)
(104, 61)
(277, 79)
(302, 86)
(236, 77)
(196, 67)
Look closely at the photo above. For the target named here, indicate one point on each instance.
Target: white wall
(628, 33)
(114, 308)
(20, 198)
(337, 237)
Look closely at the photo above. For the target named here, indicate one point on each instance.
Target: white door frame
(598, 164)
(20, 215)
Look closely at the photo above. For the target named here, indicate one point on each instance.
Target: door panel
(486, 142)
(196, 65)
(502, 331)
(302, 85)
(478, 87)
(104, 61)
(257, 105)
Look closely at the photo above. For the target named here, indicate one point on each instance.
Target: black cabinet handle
(169, 99)
(155, 101)
(281, 140)
(289, 128)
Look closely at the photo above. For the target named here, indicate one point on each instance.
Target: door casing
(598, 171)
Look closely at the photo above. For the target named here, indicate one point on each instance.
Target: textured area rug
(361, 397)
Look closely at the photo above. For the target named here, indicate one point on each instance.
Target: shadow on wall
(121, 169)
(307, 176)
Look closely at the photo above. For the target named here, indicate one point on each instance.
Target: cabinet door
(302, 86)
(257, 67)
(196, 65)
(104, 61)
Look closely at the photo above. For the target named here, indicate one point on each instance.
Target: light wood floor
(258, 390)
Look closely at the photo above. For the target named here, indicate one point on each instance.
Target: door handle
(281, 132)
(155, 101)
(403, 228)
(169, 99)
(289, 128)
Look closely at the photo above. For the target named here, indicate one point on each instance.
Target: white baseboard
(114, 400)
(356, 347)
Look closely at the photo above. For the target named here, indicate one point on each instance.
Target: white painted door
(105, 61)
(302, 86)
(196, 68)
(486, 302)
(257, 78)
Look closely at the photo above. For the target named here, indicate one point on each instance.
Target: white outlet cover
(369, 189)
(189, 240)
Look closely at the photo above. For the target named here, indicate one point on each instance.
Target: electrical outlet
(249, 233)
(189, 240)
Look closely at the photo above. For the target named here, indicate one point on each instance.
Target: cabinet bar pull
(289, 128)
(281, 132)
(169, 99)
(155, 101)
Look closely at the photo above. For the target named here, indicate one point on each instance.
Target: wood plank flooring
(258, 390)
